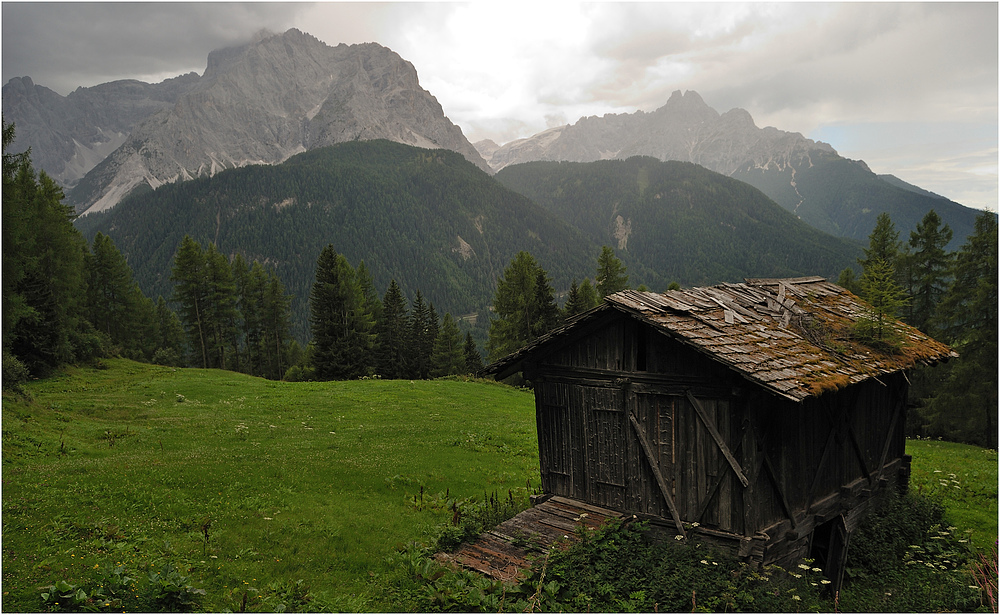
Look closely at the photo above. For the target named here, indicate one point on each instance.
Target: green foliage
(611, 276)
(524, 305)
(963, 404)
(676, 221)
(341, 326)
(449, 356)
(617, 568)
(904, 558)
(877, 327)
(44, 289)
(473, 360)
(406, 212)
(928, 270)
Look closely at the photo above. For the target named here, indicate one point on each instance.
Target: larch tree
(611, 273)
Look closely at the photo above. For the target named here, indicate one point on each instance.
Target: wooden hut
(744, 413)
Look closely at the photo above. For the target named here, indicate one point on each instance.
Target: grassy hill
(149, 483)
(124, 467)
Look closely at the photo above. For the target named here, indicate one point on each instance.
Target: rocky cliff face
(259, 103)
(684, 129)
(69, 135)
(840, 196)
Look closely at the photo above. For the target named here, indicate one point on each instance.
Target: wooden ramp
(502, 553)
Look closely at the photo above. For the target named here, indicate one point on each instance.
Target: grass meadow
(133, 487)
(242, 485)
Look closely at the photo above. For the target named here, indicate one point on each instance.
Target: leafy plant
(170, 591)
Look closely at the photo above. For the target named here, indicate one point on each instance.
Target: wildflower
(817, 570)
(704, 562)
(825, 581)
(678, 537)
(796, 598)
(804, 566)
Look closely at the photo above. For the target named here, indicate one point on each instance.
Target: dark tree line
(356, 334)
(236, 315)
(65, 301)
(951, 296)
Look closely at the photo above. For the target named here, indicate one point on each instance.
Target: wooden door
(606, 449)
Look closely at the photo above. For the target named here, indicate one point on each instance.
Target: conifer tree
(115, 305)
(191, 292)
(276, 323)
(589, 298)
(448, 358)
(392, 349)
(611, 275)
(221, 310)
(522, 310)
(886, 299)
(963, 405)
(341, 327)
(473, 360)
(44, 289)
(929, 266)
(545, 302)
(423, 333)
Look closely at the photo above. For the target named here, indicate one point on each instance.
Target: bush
(15, 374)
(905, 558)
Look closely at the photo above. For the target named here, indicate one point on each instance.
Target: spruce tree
(448, 358)
(115, 305)
(276, 324)
(341, 327)
(963, 405)
(392, 351)
(423, 333)
(929, 267)
(523, 306)
(473, 360)
(545, 302)
(222, 314)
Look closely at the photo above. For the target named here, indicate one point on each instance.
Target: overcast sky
(911, 88)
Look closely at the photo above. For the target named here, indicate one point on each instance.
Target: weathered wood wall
(600, 395)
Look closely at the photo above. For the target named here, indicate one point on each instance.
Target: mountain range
(808, 178)
(258, 103)
(437, 223)
(725, 199)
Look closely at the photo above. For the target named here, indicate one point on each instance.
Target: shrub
(15, 374)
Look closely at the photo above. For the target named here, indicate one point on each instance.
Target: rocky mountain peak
(257, 103)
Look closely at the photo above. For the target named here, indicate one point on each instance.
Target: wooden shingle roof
(791, 336)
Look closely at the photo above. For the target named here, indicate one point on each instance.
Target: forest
(67, 300)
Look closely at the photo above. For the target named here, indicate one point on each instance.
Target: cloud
(505, 70)
(66, 45)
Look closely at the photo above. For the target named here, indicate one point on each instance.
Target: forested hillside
(427, 218)
(677, 221)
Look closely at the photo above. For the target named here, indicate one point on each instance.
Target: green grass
(314, 481)
(111, 474)
(964, 479)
